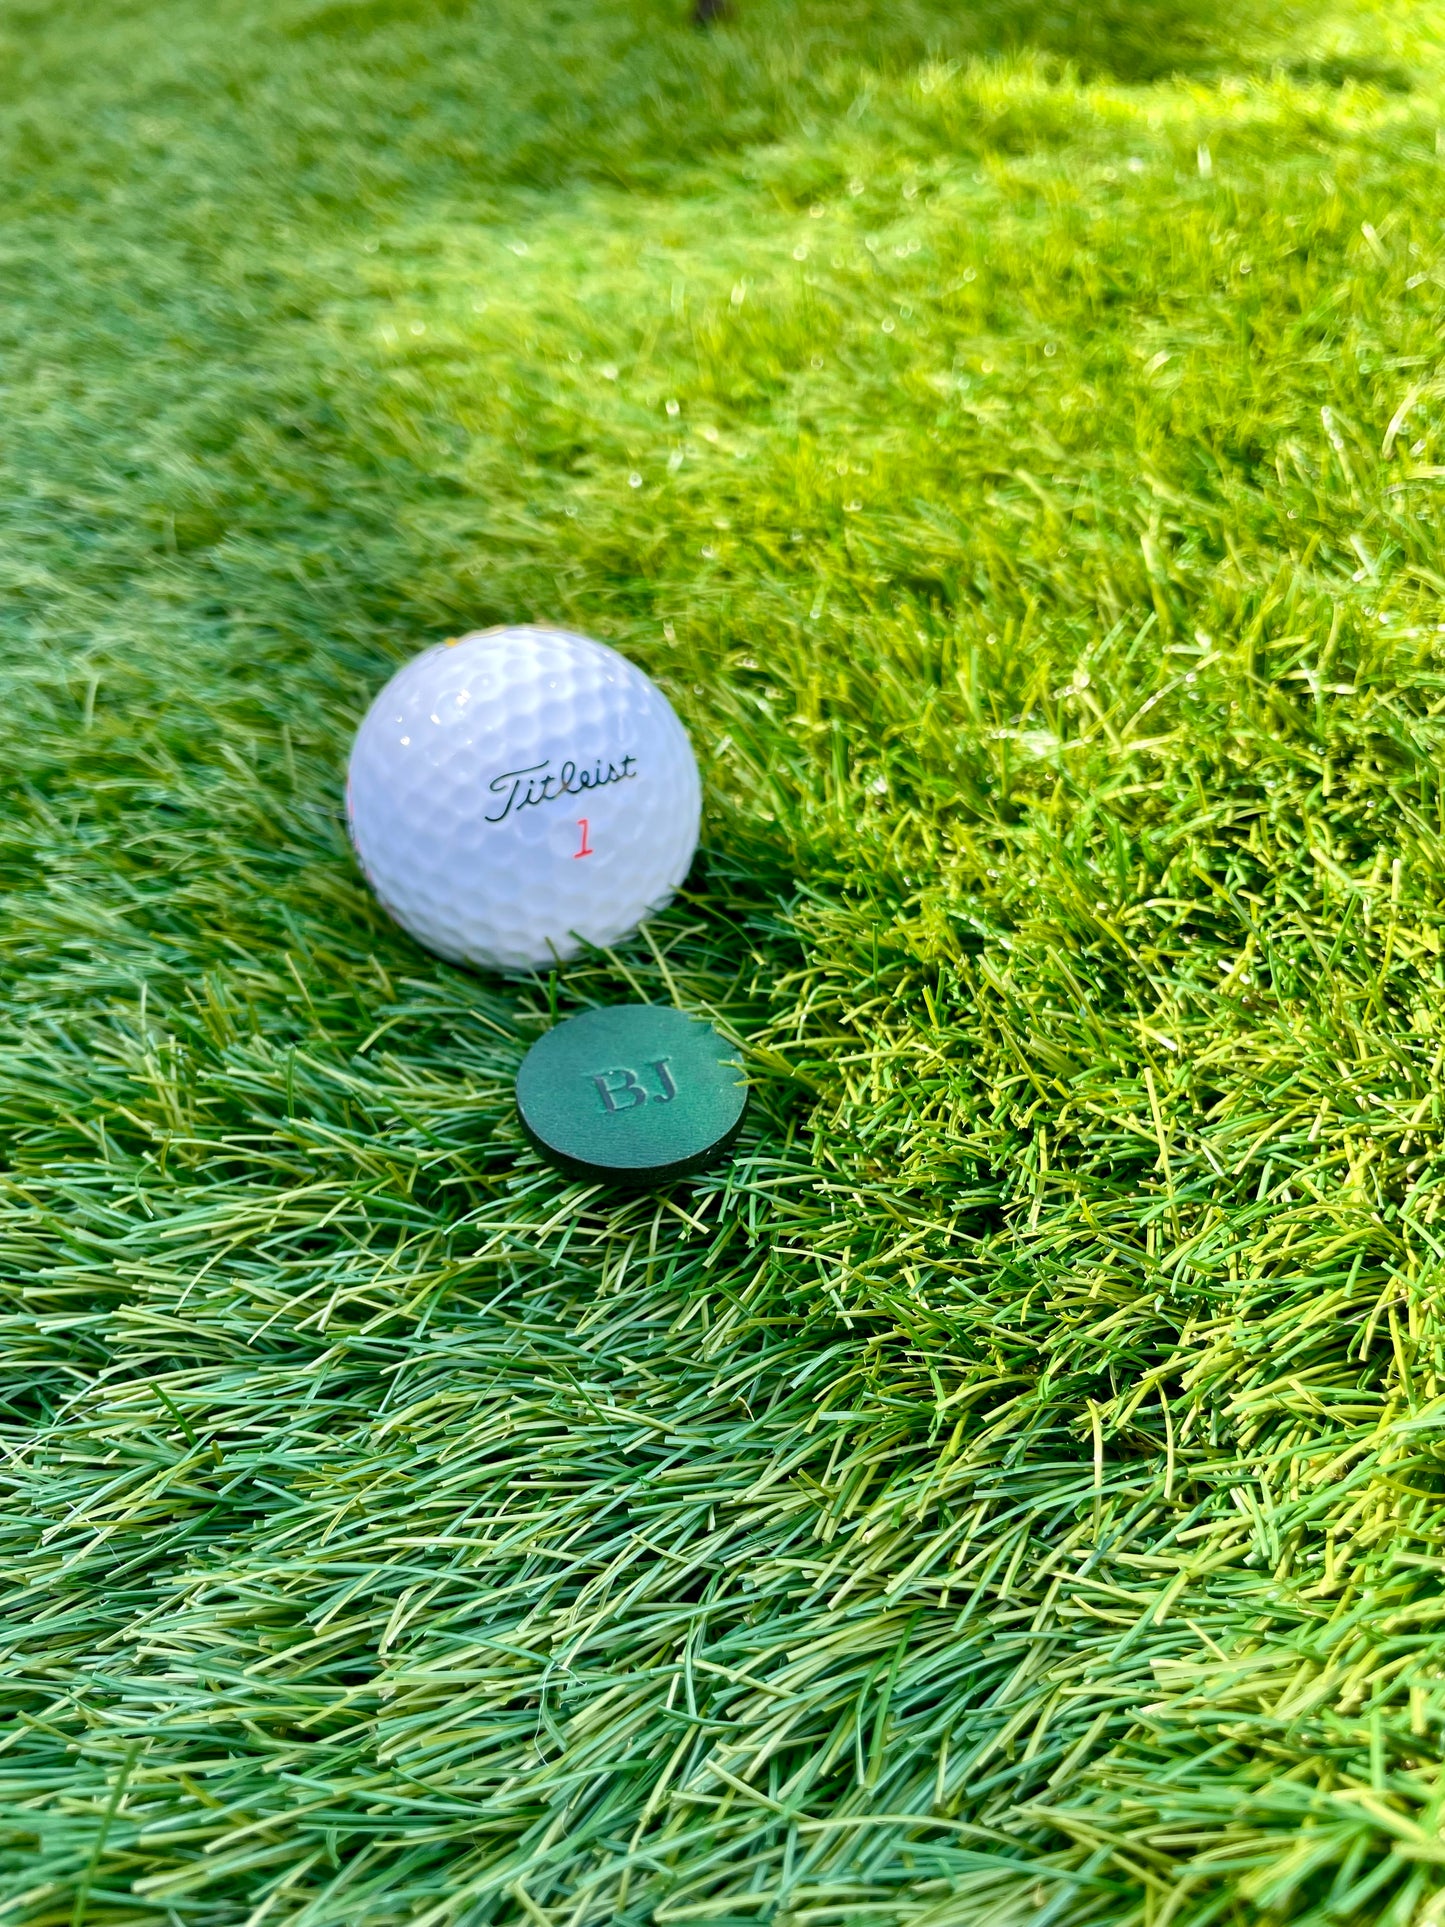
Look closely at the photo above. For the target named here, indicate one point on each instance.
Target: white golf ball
(519, 792)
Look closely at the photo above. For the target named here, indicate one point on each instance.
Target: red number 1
(586, 849)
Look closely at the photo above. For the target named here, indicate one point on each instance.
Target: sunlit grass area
(1014, 1491)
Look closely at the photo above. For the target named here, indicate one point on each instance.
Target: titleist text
(522, 789)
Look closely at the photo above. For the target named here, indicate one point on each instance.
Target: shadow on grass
(1123, 39)
(544, 91)
(1346, 71)
(1129, 41)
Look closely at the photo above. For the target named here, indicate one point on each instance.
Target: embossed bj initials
(624, 1090)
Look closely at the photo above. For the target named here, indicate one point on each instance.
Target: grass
(1013, 1492)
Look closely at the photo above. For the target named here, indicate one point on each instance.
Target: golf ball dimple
(520, 792)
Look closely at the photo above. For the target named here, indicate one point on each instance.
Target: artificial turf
(1014, 1492)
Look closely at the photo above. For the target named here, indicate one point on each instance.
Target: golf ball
(519, 792)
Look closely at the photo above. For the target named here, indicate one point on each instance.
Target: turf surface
(1014, 435)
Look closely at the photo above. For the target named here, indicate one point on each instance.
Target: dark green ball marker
(633, 1095)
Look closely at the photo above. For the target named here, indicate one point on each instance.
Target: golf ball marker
(519, 792)
(633, 1094)
(623, 1090)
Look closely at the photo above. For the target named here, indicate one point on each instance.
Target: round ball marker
(633, 1094)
